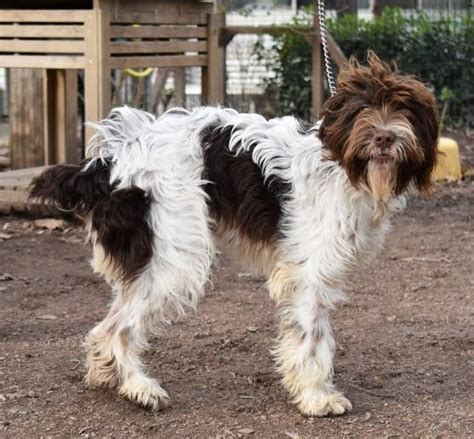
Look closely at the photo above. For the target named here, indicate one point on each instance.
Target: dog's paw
(101, 376)
(145, 392)
(324, 405)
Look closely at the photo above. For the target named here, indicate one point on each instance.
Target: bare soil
(404, 341)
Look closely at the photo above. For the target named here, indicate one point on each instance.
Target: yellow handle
(139, 73)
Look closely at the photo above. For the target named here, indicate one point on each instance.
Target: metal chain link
(324, 42)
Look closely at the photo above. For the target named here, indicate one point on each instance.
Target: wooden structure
(98, 36)
(13, 186)
(117, 34)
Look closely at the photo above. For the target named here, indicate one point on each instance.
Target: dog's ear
(425, 120)
(339, 111)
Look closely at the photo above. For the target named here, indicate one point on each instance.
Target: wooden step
(13, 186)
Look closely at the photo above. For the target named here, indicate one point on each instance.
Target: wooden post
(97, 82)
(26, 117)
(60, 111)
(317, 66)
(180, 86)
(213, 75)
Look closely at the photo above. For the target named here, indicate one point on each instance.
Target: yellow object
(449, 166)
(139, 73)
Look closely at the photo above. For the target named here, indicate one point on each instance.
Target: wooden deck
(13, 185)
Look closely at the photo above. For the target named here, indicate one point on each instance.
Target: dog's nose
(384, 138)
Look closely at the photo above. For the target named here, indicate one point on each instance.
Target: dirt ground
(404, 341)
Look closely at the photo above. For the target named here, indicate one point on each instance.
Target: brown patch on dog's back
(239, 197)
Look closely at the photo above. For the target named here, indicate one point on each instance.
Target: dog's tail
(73, 187)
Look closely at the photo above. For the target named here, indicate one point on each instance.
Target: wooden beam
(162, 7)
(41, 46)
(216, 68)
(97, 81)
(158, 61)
(336, 53)
(150, 31)
(60, 130)
(26, 118)
(104, 19)
(41, 16)
(158, 46)
(158, 18)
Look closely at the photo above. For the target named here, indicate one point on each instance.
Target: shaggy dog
(302, 207)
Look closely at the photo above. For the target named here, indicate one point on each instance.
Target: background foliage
(439, 51)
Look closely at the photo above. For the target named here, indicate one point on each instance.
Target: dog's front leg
(304, 354)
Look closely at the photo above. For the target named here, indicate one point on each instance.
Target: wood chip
(50, 224)
(47, 317)
(246, 431)
(6, 276)
(5, 236)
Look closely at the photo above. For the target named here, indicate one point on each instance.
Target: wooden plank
(35, 46)
(18, 179)
(41, 61)
(42, 16)
(336, 52)
(13, 186)
(41, 31)
(18, 175)
(149, 31)
(161, 7)
(158, 18)
(158, 61)
(12, 200)
(158, 46)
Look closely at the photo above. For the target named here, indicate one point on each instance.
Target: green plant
(438, 51)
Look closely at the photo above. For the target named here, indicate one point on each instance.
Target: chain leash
(324, 42)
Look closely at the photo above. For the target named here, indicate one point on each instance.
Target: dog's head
(382, 127)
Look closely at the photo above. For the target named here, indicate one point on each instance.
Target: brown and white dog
(301, 207)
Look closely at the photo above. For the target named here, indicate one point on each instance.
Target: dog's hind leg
(158, 266)
(115, 346)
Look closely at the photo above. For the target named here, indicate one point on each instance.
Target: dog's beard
(379, 170)
(381, 177)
